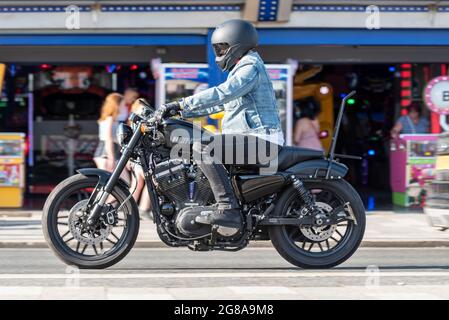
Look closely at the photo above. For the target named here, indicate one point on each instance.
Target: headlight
(124, 134)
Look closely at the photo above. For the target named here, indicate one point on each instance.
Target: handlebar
(147, 114)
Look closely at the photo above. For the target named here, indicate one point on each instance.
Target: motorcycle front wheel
(63, 224)
(319, 247)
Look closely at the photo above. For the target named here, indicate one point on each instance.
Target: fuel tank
(178, 131)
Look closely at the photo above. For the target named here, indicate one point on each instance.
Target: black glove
(167, 110)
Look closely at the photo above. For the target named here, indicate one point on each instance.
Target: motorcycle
(313, 217)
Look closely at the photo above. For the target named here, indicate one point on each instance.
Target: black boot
(230, 218)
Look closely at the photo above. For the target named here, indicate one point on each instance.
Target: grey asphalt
(386, 273)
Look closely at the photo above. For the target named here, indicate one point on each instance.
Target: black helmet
(231, 40)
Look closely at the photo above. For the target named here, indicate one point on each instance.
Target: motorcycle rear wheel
(306, 247)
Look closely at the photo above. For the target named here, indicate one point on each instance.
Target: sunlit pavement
(257, 273)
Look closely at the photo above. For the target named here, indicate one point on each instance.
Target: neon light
(406, 83)
(405, 102)
(111, 68)
(371, 203)
(12, 69)
(406, 74)
(406, 93)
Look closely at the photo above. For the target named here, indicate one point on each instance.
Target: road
(257, 273)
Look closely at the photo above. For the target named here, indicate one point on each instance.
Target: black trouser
(230, 150)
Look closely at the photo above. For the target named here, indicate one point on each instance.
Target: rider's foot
(230, 218)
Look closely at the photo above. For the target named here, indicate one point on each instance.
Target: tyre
(319, 247)
(89, 248)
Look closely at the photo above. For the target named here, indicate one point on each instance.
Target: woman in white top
(108, 151)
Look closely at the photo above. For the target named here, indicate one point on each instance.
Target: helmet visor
(220, 49)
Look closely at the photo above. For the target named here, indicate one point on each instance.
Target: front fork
(95, 214)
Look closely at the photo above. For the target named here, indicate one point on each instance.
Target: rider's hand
(167, 110)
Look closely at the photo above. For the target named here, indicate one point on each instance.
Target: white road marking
(261, 290)
(299, 274)
(230, 293)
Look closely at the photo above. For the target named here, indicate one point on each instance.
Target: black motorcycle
(314, 218)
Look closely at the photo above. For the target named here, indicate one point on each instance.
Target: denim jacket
(247, 97)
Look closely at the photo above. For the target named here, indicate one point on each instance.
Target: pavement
(254, 273)
(22, 229)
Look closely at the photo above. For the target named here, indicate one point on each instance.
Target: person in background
(108, 151)
(129, 97)
(412, 123)
(141, 192)
(307, 128)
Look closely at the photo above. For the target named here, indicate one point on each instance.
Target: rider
(249, 102)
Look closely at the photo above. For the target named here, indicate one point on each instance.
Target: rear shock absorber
(304, 194)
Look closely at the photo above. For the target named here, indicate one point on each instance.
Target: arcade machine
(178, 80)
(412, 164)
(414, 158)
(12, 169)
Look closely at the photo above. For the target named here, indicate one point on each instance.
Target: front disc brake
(77, 226)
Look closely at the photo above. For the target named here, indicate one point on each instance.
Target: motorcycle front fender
(103, 176)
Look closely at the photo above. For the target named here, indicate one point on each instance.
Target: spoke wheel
(319, 240)
(319, 247)
(66, 230)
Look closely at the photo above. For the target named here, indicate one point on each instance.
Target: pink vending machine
(412, 164)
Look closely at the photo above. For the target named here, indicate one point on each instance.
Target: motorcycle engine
(182, 183)
(186, 187)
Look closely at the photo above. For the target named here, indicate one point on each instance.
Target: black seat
(289, 156)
